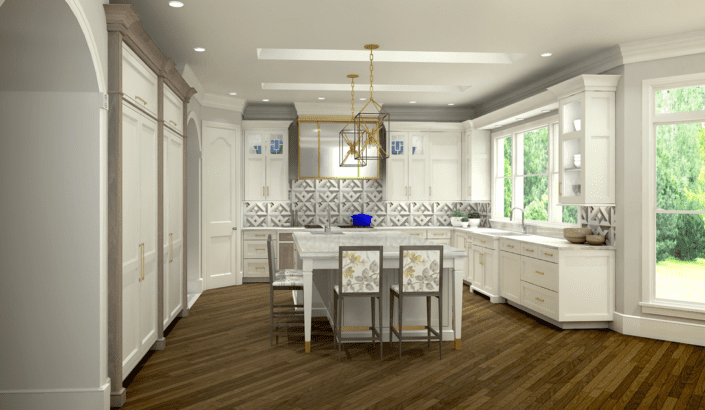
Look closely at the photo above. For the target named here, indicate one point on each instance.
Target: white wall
(53, 168)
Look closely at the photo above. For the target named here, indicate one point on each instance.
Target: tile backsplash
(311, 200)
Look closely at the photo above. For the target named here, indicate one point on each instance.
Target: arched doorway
(53, 293)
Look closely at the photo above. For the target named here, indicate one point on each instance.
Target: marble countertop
(557, 243)
(325, 246)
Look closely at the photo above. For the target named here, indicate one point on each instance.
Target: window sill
(673, 310)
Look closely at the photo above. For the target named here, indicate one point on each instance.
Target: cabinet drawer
(438, 234)
(440, 241)
(258, 235)
(255, 249)
(483, 241)
(510, 245)
(548, 254)
(416, 233)
(286, 237)
(539, 299)
(529, 249)
(540, 273)
(256, 268)
(139, 82)
(173, 110)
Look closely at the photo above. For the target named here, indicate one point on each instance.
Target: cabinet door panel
(490, 274)
(510, 272)
(418, 179)
(478, 271)
(277, 179)
(446, 182)
(255, 180)
(173, 293)
(148, 304)
(397, 178)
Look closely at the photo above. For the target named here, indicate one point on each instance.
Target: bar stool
(282, 280)
(420, 274)
(359, 275)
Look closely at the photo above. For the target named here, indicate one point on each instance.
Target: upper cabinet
(587, 139)
(173, 111)
(139, 82)
(266, 164)
(476, 165)
(424, 166)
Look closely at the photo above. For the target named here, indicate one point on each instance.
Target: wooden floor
(220, 358)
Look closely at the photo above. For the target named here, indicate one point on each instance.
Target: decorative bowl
(595, 239)
(576, 235)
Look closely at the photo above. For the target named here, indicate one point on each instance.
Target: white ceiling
(233, 30)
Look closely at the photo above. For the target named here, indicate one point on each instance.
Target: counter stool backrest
(421, 268)
(360, 269)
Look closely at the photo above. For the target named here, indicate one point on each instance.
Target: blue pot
(361, 220)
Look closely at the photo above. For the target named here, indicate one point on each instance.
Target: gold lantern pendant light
(349, 156)
(372, 125)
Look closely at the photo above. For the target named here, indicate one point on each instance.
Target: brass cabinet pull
(141, 262)
(137, 97)
(509, 246)
(559, 188)
(173, 123)
(539, 299)
(410, 191)
(529, 250)
(481, 258)
(259, 249)
(171, 247)
(540, 273)
(267, 190)
(263, 191)
(259, 235)
(482, 241)
(548, 254)
(438, 234)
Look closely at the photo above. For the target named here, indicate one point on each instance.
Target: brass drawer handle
(529, 250)
(260, 249)
(439, 234)
(548, 254)
(482, 241)
(137, 97)
(510, 246)
(540, 300)
(175, 124)
(260, 235)
(540, 273)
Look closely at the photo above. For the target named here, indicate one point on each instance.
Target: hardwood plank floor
(220, 358)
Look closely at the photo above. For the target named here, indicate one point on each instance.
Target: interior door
(220, 205)
(148, 232)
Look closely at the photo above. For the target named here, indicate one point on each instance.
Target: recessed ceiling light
(176, 4)
(545, 110)
(546, 54)
(451, 104)
(363, 99)
(519, 119)
(265, 100)
(200, 49)
(321, 98)
(412, 102)
(233, 93)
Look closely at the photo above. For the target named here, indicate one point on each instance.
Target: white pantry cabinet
(266, 164)
(173, 225)
(424, 166)
(139, 82)
(139, 236)
(173, 111)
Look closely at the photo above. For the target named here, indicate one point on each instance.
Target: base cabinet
(510, 276)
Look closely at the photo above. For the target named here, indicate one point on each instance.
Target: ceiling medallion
(349, 156)
(372, 125)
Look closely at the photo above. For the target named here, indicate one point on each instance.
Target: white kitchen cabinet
(139, 82)
(173, 111)
(266, 165)
(476, 165)
(485, 267)
(255, 263)
(469, 261)
(139, 236)
(424, 166)
(510, 276)
(173, 225)
(587, 139)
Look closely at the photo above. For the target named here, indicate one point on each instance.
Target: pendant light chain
(371, 68)
(352, 98)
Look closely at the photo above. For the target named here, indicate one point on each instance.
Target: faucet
(511, 216)
(328, 231)
(295, 221)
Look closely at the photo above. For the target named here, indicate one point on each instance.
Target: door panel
(148, 229)
(220, 205)
(277, 184)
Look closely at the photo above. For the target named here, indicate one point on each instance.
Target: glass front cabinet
(587, 139)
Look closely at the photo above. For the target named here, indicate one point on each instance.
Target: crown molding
(663, 47)
(222, 102)
(402, 126)
(304, 108)
(544, 99)
(585, 82)
(190, 77)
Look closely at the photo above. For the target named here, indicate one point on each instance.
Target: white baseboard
(56, 399)
(192, 298)
(195, 286)
(660, 329)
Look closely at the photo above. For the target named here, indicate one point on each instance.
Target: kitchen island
(318, 258)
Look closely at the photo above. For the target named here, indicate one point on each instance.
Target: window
(675, 171)
(526, 165)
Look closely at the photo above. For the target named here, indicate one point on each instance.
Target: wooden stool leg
(440, 327)
(400, 324)
(271, 316)
(381, 342)
(428, 319)
(391, 315)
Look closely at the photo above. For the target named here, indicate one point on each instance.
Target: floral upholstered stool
(359, 275)
(420, 269)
